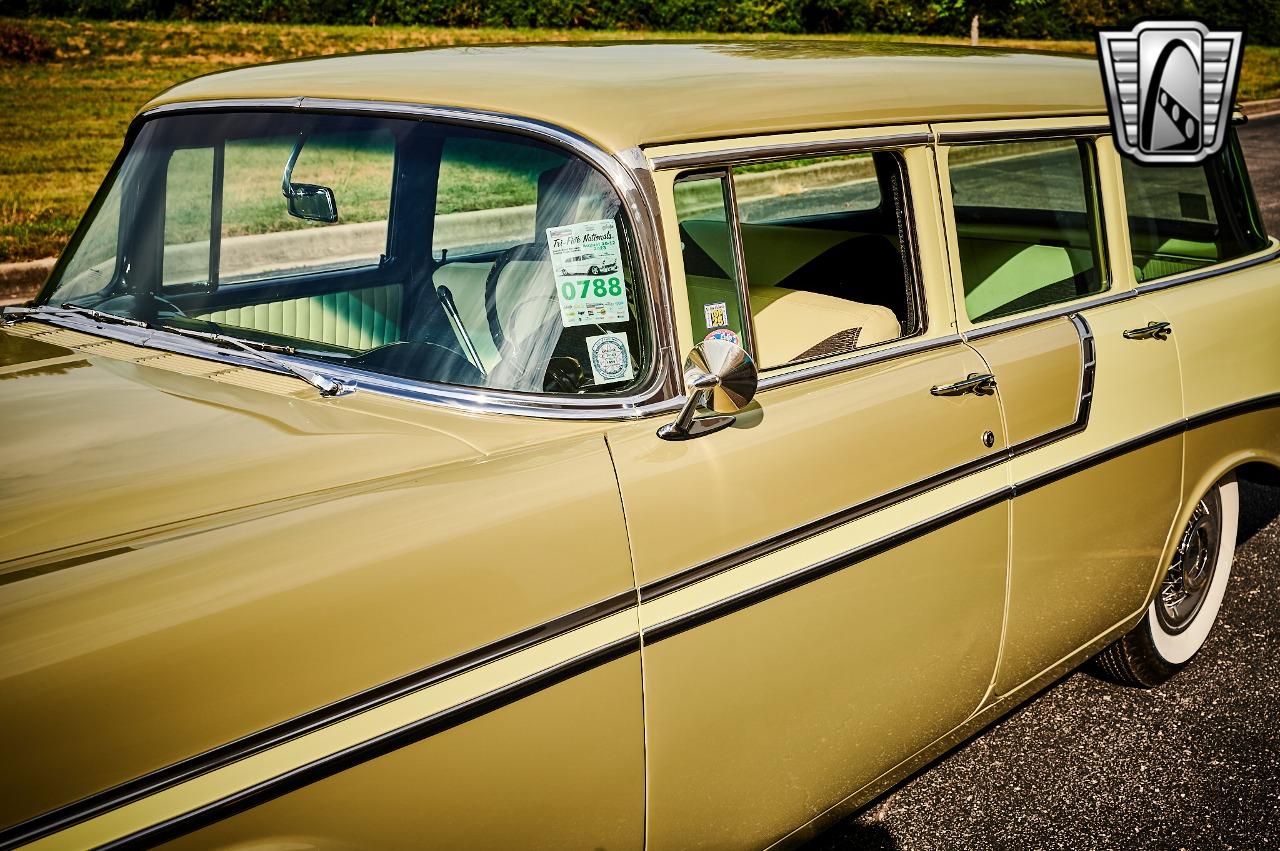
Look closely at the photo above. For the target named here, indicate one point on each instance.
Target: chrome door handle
(1152, 331)
(979, 384)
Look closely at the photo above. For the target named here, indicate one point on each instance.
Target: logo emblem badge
(1170, 88)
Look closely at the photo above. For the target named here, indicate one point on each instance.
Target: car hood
(102, 451)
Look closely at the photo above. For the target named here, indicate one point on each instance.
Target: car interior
(819, 285)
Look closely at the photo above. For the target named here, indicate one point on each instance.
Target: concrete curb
(19, 281)
(1260, 108)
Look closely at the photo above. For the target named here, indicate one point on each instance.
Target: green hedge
(1057, 19)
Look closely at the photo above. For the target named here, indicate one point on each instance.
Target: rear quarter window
(1185, 217)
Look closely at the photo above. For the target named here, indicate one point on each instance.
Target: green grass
(62, 121)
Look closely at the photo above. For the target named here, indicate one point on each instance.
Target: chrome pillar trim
(745, 313)
(664, 319)
(817, 370)
(660, 392)
(962, 137)
(1049, 315)
(788, 150)
(1212, 271)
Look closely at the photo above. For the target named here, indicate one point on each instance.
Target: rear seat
(797, 325)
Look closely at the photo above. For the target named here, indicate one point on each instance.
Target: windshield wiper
(14, 315)
(264, 352)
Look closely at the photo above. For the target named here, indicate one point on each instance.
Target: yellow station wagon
(656, 445)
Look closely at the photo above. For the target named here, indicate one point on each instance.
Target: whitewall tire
(1189, 596)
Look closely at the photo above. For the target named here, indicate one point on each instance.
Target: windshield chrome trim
(630, 179)
(468, 399)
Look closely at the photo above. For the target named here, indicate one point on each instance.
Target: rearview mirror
(311, 202)
(307, 200)
(719, 375)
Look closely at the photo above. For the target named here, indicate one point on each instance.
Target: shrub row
(1059, 19)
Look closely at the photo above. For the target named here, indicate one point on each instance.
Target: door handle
(1152, 331)
(979, 384)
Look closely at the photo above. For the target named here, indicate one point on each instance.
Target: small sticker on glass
(610, 358)
(717, 315)
(725, 334)
(586, 262)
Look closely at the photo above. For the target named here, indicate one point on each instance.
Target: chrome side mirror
(719, 375)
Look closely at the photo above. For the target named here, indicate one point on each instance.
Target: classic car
(332, 519)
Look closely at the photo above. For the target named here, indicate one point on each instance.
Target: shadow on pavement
(854, 835)
(1259, 505)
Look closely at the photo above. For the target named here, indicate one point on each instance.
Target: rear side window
(826, 263)
(1027, 225)
(1184, 217)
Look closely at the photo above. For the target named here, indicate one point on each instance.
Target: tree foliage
(1060, 19)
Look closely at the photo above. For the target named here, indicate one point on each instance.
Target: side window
(706, 244)
(1185, 217)
(828, 266)
(259, 239)
(1027, 225)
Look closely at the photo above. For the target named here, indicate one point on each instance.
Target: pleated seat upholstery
(360, 319)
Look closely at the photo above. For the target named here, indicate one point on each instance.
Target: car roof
(624, 94)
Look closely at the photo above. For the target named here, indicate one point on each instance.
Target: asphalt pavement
(1193, 764)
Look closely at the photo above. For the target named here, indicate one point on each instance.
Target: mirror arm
(685, 427)
(719, 375)
(286, 184)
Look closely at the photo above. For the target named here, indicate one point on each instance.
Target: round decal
(610, 359)
(725, 334)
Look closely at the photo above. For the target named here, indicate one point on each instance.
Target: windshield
(415, 249)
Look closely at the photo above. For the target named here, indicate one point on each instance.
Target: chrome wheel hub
(1187, 582)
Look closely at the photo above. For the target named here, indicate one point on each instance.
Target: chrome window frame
(629, 175)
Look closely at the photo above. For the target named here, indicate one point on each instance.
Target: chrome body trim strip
(787, 150)
(1057, 312)
(857, 359)
(659, 395)
(1069, 309)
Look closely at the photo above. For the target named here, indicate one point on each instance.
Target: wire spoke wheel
(1183, 590)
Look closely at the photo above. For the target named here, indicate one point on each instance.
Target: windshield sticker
(725, 334)
(610, 357)
(587, 263)
(717, 315)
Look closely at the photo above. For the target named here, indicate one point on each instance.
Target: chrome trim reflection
(1056, 313)
(787, 150)
(817, 370)
(658, 393)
